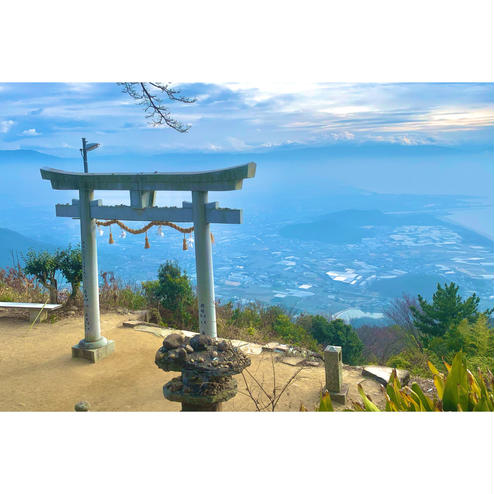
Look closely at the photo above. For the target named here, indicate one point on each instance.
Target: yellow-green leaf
(369, 406)
(424, 400)
(456, 385)
(439, 383)
(325, 404)
(432, 368)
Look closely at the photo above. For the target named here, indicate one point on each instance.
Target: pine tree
(447, 310)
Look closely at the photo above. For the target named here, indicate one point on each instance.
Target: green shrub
(132, 299)
(245, 317)
(44, 266)
(150, 289)
(293, 333)
(70, 264)
(399, 362)
(415, 360)
(338, 333)
(155, 317)
(175, 297)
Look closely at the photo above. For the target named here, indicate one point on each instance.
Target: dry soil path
(37, 372)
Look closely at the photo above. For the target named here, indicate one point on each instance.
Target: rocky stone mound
(200, 354)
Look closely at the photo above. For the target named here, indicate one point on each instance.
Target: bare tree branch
(400, 312)
(272, 400)
(256, 402)
(148, 95)
(275, 402)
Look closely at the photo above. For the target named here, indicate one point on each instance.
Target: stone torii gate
(142, 188)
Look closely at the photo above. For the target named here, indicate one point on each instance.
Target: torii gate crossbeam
(142, 188)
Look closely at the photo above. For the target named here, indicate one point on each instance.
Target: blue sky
(52, 117)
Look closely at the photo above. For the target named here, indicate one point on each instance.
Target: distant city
(354, 280)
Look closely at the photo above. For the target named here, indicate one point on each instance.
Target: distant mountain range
(15, 244)
(26, 156)
(351, 226)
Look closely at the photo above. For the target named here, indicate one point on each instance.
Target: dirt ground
(38, 373)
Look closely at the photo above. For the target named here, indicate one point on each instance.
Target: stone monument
(334, 374)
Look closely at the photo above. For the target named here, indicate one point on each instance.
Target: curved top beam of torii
(225, 179)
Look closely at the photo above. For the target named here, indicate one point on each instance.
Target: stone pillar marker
(334, 374)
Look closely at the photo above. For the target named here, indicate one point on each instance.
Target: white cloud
(213, 147)
(5, 125)
(343, 136)
(265, 91)
(348, 110)
(79, 87)
(30, 132)
(238, 144)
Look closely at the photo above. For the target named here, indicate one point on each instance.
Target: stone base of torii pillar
(93, 354)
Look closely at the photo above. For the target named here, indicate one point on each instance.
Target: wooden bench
(34, 309)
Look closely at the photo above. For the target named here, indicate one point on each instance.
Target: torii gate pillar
(94, 346)
(204, 265)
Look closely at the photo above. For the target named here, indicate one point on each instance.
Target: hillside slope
(13, 243)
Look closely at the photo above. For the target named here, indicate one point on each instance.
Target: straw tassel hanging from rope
(184, 244)
(146, 242)
(212, 238)
(110, 240)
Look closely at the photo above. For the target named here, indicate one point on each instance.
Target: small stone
(82, 406)
(222, 346)
(173, 341)
(172, 355)
(214, 354)
(311, 363)
(188, 349)
(200, 360)
(181, 354)
(200, 341)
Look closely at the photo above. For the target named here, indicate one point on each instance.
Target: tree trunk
(75, 291)
(53, 291)
(53, 295)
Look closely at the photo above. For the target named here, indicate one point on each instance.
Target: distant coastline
(477, 219)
